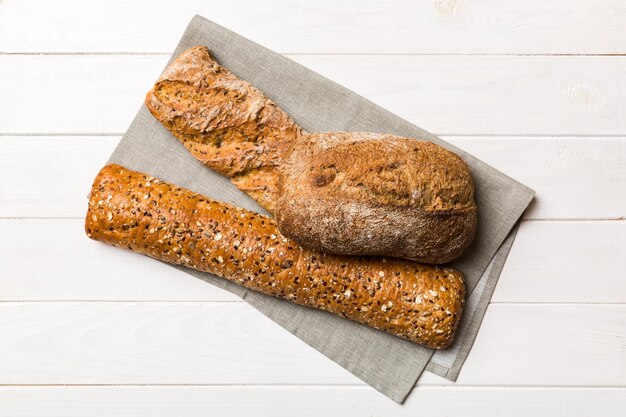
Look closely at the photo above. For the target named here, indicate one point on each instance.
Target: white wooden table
(535, 88)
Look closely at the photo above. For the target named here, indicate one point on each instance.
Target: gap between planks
(555, 220)
(181, 301)
(442, 135)
(362, 386)
(137, 53)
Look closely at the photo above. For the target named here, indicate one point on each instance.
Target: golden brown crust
(224, 121)
(350, 193)
(370, 194)
(135, 211)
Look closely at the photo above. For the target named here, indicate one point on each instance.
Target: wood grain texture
(574, 177)
(353, 26)
(272, 401)
(216, 343)
(519, 95)
(581, 262)
(549, 262)
(495, 95)
(50, 176)
(72, 267)
(70, 94)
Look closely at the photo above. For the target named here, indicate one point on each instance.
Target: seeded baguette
(224, 121)
(132, 210)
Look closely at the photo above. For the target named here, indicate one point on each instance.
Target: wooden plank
(70, 266)
(100, 94)
(548, 344)
(73, 94)
(50, 176)
(61, 169)
(489, 95)
(216, 343)
(355, 26)
(550, 262)
(566, 262)
(271, 401)
(573, 177)
(154, 343)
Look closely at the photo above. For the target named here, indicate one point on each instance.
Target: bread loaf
(224, 122)
(345, 193)
(135, 211)
(341, 193)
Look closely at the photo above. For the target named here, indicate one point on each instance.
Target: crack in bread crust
(344, 193)
(225, 122)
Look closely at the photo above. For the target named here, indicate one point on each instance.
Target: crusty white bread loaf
(346, 193)
(141, 213)
(354, 193)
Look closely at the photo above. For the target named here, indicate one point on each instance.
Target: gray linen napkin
(388, 363)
